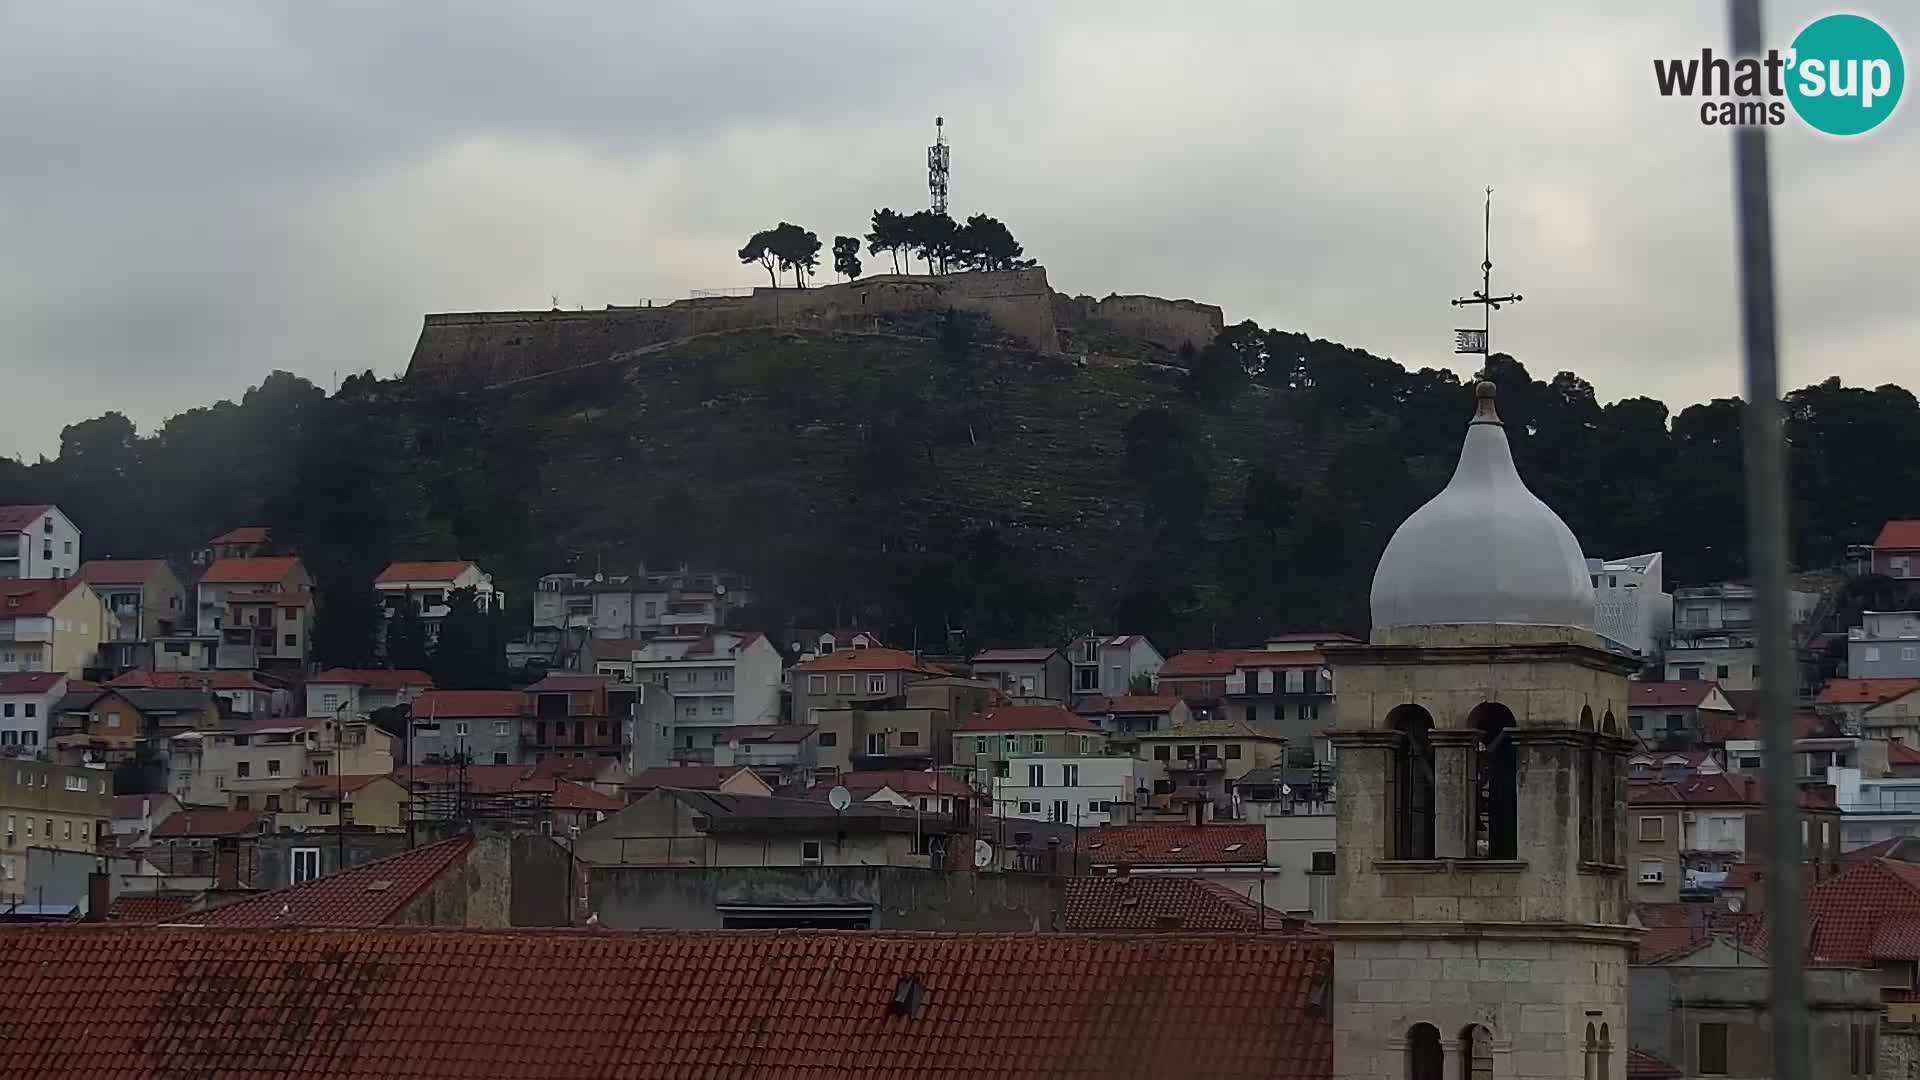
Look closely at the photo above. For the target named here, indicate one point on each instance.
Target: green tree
(1214, 375)
(934, 236)
(985, 243)
(846, 256)
(760, 248)
(795, 249)
(471, 651)
(346, 623)
(406, 645)
(889, 234)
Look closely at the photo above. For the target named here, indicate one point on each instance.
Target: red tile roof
(29, 599)
(245, 534)
(1899, 753)
(440, 570)
(581, 769)
(1129, 703)
(469, 704)
(282, 598)
(1865, 691)
(1217, 844)
(1894, 535)
(1896, 941)
(1027, 718)
(1720, 789)
(1159, 902)
(392, 1003)
(1846, 911)
(1678, 928)
(902, 781)
(691, 777)
(13, 519)
(134, 908)
(30, 682)
(119, 571)
(372, 679)
(571, 795)
(1679, 694)
(866, 660)
(199, 821)
(371, 894)
(259, 571)
(189, 680)
(1644, 1065)
(567, 683)
(613, 648)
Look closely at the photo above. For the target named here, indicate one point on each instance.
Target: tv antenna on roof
(938, 163)
(1477, 341)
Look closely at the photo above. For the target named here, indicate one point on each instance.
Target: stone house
(482, 726)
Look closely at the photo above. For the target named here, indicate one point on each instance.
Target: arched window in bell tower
(1476, 1053)
(1589, 790)
(1496, 783)
(1609, 780)
(1592, 1055)
(1411, 804)
(1424, 1058)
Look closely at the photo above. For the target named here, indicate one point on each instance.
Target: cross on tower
(1477, 341)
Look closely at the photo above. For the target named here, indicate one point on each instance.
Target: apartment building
(51, 624)
(617, 607)
(1886, 645)
(1076, 790)
(427, 585)
(1027, 674)
(715, 681)
(43, 805)
(147, 602)
(1109, 664)
(37, 542)
(27, 700)
(1686, 832)
(1631, 606)
(913, 730)
(998, 743)
(852, 676)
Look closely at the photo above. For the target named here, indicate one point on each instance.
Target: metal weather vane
(1477, 341)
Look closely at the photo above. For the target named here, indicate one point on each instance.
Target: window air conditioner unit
(1688, 817)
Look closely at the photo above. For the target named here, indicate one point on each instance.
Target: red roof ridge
(272, 908)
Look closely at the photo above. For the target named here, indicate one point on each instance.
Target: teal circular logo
(1846, 74)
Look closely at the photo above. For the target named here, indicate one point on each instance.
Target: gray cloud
(193, 195)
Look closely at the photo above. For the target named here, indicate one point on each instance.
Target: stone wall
(496, 346)
(1899, 1052)
(1166, 323)
(902, 898)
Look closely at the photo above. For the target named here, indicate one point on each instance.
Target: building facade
(1631, 606)
(48, 806)
(27, 699)
(51, 624)
(147, 602)
(1110, 664)
(714, 681)
(1480, 915)
(37, 542)
(1027, 674)
(1896, 551)
(1886, 644)
(853, 676)
(1073, 790)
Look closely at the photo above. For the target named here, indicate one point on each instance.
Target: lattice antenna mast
(938, 163)
(1480, 341)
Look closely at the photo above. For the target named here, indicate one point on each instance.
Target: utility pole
(1478, 341)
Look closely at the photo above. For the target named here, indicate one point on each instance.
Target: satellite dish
(982, 854)
(839, 798)
(1286, 789)
(1734, 905)
(719, 590)
(599, 578)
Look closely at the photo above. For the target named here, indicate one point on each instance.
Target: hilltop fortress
(490, 347)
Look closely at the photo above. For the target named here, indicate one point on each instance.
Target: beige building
(1480, 918)
(51, 624)
(318, 803)
(48, 806)
(853, 676)
(1707, 822)
(147, 602)
(1209, 756)
(992, 744)
(256, 766)
(114, 725)
(915, 732)
(677, 827)
(1027, 674)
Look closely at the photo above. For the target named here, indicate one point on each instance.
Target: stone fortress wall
(497, 346)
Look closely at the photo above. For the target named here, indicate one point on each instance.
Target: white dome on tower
(1484, 550)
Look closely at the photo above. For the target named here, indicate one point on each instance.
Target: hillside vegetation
(934, 478)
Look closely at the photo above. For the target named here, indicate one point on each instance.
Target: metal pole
(1767, 555)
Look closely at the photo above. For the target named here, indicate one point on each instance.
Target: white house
(26, 701)
(1713, 637)
(1631, 605)
(428, 584)
(342, 691)
(38, 541)
(718, 680)
(1886, 644)
(1108, 664)
(1072, 790)
(1875, 809)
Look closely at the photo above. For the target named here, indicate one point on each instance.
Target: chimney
(226, 866)
(99, 895)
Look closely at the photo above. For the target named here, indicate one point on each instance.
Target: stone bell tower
(1480, 905)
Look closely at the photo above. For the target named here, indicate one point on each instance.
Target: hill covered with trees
(937, 479)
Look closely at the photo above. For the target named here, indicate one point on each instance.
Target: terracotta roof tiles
(30, 682)
(1894, 536)
(245, 534)
(431, 570)
(389, 1003)
(1865, 691)
(1218, 844)
(376, 679)
(1027, 718)
(469, 704)
(132, 908)
(1646, 1065)
(1158, 902)
(1846, 911)
(1678, 694)
(689, 777)
(198, 821)
(14, 519)
(1129, 703)
(865, 660)
(371, 894)
(258, 571)
(31, 599)
(119, 571)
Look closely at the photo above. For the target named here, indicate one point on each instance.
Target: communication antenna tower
(938, 161)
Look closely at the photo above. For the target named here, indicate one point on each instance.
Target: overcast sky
(194, 194)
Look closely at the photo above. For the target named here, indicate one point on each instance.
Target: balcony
(1197, 765)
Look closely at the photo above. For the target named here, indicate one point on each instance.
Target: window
(1184, 752)
(1070, 775)
(1712, 1041)
(1233, 751)
(1253, 713)
(1652, 871)
(1721, 671)
(816, 684)
(273, 803)
(330, 702)
(846, 684)
(1061, 812)
(242, 802)
(273, 766)
(66, 831)
(1872, 653)
(829, 738)
(1036, 776)
(1907, 652)
(876, 684)
(1690, 673)
(461, 727)
(876, 742)
(242, 770)
(1162, 752)
(909, 738)
(1029, 807)
(76, 783)
(1676, 721)
(33, 709)
(1861, 1039)
(810, 852)
(113, 720)
(306, 864)
(7, 711)
(1039, 744)
(1638, 720)
(1086, 746)
(499, 757)
(1209, 751)
(320, 767)
(1653, 830)
(502, 727)
(1012, 744)
(980, 744)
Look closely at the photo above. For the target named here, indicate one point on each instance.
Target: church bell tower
(1480, 905)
